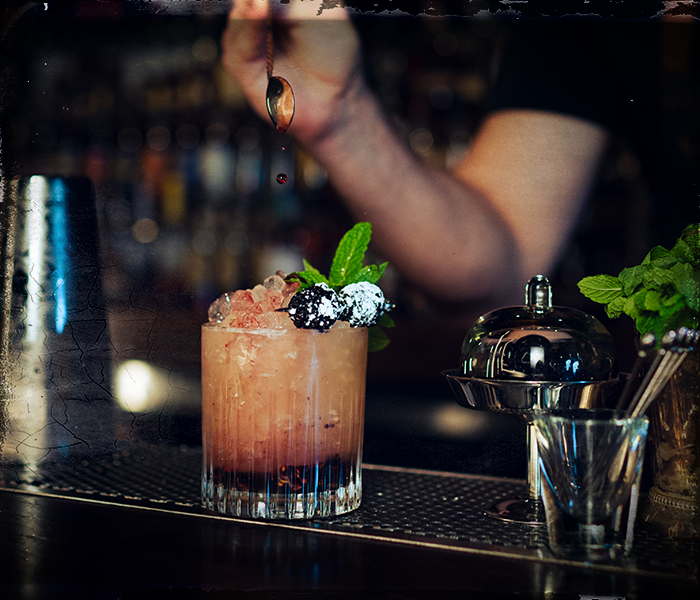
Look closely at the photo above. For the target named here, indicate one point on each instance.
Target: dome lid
(538, 342)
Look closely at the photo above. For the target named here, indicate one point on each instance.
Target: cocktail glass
(283, 420)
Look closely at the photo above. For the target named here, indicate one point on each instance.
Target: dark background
(188, 208)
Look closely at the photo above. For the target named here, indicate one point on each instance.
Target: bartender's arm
(477, 233)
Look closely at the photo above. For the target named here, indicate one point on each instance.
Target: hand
(318, 54)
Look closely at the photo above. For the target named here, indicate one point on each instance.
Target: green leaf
(651, 322)
(682, 251)
(386, 321)
(684, 318)
(654, 254)
(378, 339)
(308, 277)
(631, 306)
(614, 309)
(348, 258)
(690, 289)
(665, 262)
(691, 236)
(680, 273)
(369, 273)
(601, 288)
(657, 278)
(671, 300)
(652, 300)
(691, 232)
(630, 278)
(672, 305)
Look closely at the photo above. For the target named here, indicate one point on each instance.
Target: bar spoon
(279, 96)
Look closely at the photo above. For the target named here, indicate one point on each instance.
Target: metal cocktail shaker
(55, 356)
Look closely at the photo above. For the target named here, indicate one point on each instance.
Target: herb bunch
(660, 294)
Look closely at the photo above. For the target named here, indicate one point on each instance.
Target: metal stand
(523, 398)
(524, 509)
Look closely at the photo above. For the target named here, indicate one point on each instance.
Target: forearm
(477, 234)
(435, 229)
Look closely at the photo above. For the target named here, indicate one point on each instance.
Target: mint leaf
(377, 340)
(600, 288)
(386, 321)
(691, 236)
(672, 305)
(311, 269)
(682, 251)
(308, 277)
(652, 323)
(665, 262)
(654, 254)
(690, 230)
(656, 278)
(652, 300)
(690, 288)
(680, 273)
(630, 278)
(615, 308)
(350, 254)
(630, 306)
(369, 273)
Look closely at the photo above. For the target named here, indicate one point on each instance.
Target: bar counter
(130, 525)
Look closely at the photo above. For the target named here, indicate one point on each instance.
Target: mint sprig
(347, 267)
(660, 294)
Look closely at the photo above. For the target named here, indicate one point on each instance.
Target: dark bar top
(131, 524)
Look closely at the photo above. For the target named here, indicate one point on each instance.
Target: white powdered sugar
(364, 303)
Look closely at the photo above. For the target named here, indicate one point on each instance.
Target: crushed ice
(220, 308)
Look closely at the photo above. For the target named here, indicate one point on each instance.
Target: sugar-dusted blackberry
(317, 307)
(364, 304)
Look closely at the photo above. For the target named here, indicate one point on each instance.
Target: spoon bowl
(279, 98)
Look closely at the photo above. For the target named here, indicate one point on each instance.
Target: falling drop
(282, 178)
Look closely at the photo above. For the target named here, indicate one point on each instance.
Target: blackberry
(364, 304)
(317, 307)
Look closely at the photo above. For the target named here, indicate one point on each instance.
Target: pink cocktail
(282, 411)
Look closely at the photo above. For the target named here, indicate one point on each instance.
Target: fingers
(243, 38)
(244, 48)
(295, 9)
(250, 9)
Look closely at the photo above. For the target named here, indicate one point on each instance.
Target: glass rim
(587, 415)
(218, 326)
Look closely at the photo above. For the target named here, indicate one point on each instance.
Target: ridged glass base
(289, 505)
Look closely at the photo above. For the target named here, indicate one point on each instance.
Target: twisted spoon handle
(270, 47)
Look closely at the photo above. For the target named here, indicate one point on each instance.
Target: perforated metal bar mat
(426, 508)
